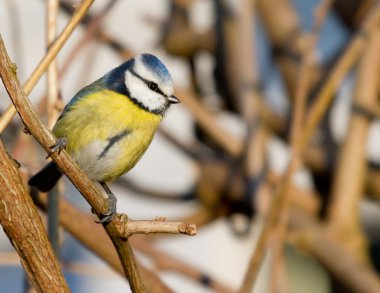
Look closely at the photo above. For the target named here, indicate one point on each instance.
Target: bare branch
(22, 224)
(344, 64)
(75, 222)
(127, 227)
(36, 127)
(314, 238)
(47, 59)
(348, 186)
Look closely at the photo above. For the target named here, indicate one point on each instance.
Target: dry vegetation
(235, 174)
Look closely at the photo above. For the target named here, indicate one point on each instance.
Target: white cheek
(139, 90)
(166, 87)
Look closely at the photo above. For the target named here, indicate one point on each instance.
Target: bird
(108, 125)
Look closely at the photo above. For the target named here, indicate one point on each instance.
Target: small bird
(108, 125)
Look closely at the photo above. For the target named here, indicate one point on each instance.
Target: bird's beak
(173, 99)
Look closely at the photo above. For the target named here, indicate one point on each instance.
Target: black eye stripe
(148, 83)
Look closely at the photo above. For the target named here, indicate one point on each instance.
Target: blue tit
(108, 125)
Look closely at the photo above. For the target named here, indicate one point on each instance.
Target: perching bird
(109, 124)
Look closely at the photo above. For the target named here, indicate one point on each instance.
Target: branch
(165, 262)
(302, 89)
(23, 226)
(100, 33)
(47, 59)
(86, 187)
(94, 25)
(356, 275)
(348, 184)
(343, 65)
(230, 143)
(52, 71)
(75, 222)
(127, 227)
(52, 89)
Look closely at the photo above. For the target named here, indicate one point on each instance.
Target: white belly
(95, 166)
(105, 161)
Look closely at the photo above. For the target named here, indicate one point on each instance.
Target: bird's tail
(46, 178)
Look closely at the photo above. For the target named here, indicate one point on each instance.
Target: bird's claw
(110, 213)
(59, 145)
(106, 218)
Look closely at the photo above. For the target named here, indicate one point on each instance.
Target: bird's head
(149, 83)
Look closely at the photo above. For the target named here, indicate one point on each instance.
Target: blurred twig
(47, 59)
(357, 276)
(13, 14)
(100, 33)
(348, 184)
(302, 91)
(52, 71)
(344, 64)
(75, 222)
(93, 28)
(280, 204)
(35, 126)
(52, 115)
(166, 262)
(288, 40)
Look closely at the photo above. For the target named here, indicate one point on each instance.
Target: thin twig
(13, 14)
(165, 262)
(75, 222)
(127, 227)
(101, 34)
(232, 144)
(348, 184)
(36, 127)
(302, 91)
(281, 200)
(47, 59)
(207, 120)
(52, 71)
(344, 64)
(94, 24)
(52, 115)
(357, 276)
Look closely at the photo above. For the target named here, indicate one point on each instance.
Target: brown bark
(24, 228)
(349, 180)
(35, 126)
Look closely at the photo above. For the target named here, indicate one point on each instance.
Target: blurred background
(276, 140)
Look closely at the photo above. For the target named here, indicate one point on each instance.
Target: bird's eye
(153, 86)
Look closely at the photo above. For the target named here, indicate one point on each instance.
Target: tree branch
(25, 230)
(93, 196)
(343, 65)
(127, 227)
(75, 222)
(356, 275)
(48, 58)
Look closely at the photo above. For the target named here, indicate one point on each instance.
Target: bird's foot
(59, 145)
(111, 212)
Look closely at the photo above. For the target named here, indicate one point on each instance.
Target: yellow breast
(90, 124)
